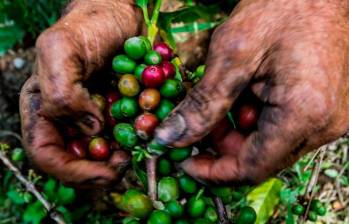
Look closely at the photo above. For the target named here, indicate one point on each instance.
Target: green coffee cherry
(187, 184)
(139, 70)
(171, 88)
(321, 211)
(164, 108)
(196, 207)
(168, 189)
(211, 214)
(125, 135)
(202, 221)
(247, 215)
(180, 154)
(135, 47)
(182, 221)
(18, 154)
(312, 216)
(128, 107)
(159, 217)
(164, 167)
(298, 209)
(152, 58)
(123, 64)
(175, 209)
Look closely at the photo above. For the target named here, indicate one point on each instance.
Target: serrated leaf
(34, 213)
(15, 197)
(50, 189)
(65, 195)
(264, 199)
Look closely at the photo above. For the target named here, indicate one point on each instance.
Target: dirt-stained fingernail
(89, 124)
(171, 130)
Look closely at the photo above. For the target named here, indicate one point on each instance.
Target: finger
(46, 148)
(69, 52)
(229, 70)
(264, 152)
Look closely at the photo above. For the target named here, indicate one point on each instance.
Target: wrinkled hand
(81, 43)
(294, 56)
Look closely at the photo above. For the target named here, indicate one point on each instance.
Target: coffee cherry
(187, 184)
(247, 117)
(168, 189)
(153, 76)
(125, 135)
(139, 70)
(180, 154)
(171, 88)
(196, 207)
(159, 217)
(112, 96)
(123, 64)
(99, 100)
(164, 167)
(312, 216)
(298, 209)
(211, 214)
(321, 211)
(152, 58)
(169, 69)
(128, 107)
(99, 148)
(164, 50)
(145, 125)
(135, 47)
(18, 154)
(128, 85)
(174, 208)
(164, 108)
(115, 110)
(78, 147)
(149, 99)
(247, 216)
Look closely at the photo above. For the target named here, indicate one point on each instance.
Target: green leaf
(65, 195)
(194, 27)
(15, 197)
(50, 189)
(9, 36)
(141, 175)
(264, 198)
(332, 173)
(66, 213)
(288, 196)
(177, 62)
(289, 215)
(34, 213)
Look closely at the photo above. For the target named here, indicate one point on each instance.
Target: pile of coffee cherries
(146, 88)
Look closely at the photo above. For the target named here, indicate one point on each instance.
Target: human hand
(293, 56)
(68, 53)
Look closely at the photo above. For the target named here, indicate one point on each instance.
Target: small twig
(151, 174)
(222, 213)
(31, 188)
(310, 193)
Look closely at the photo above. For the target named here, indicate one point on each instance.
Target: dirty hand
(79, 44)
(294, 56)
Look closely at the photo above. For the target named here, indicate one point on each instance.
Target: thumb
(209, 101)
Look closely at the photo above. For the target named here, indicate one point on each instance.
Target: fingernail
(171, 130)
(89, 124)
